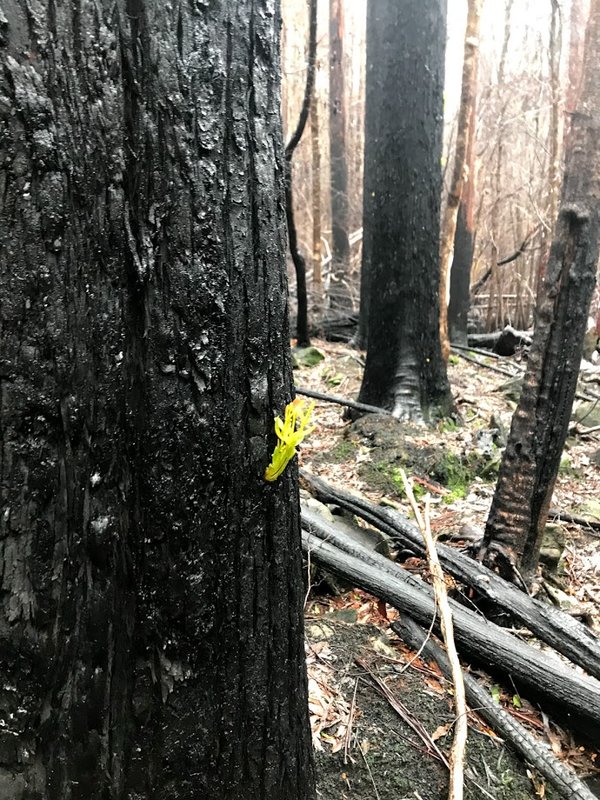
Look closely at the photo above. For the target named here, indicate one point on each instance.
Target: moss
(566, 468)
(344, 450)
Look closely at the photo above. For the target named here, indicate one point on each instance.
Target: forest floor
(365, 749)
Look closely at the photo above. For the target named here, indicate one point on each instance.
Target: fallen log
(561, 631)
(542, 674)
(503, 342)
(537, 753)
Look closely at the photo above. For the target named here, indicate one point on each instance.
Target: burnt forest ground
(365, 750)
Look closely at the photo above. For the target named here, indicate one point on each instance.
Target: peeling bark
(151, 630)
(463, 160)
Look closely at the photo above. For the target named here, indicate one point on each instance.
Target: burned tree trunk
(405, 372)
(151, 629)
(540, 423)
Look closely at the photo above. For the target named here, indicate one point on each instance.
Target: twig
(457, 754)
(349, 728)
(406, 715)
(370, 773)
(341, 401)
(488, 366)
(592, 525)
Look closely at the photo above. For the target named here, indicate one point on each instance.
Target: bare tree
(460, 176)
(540, 422)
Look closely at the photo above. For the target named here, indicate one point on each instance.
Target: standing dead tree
(460, 176)
(540, 423)
(297, 257)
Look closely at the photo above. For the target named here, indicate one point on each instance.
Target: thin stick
(370, 773)
(341, 401)
(457, 755)
(349, 728)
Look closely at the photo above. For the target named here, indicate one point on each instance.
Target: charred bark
(540, 423)
(541, 675)
(552, 626)
(405, 371)
(503, 343)
(151, 635)
(460, 274)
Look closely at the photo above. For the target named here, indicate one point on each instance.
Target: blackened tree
(404, 371)
(151, 635)
(540, 423)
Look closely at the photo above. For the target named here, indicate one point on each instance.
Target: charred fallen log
(503, 342)
(542, 674)
(552, 626)
(537, 753)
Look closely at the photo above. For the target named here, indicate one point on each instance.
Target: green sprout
(297, 413)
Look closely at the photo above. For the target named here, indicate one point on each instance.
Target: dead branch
(457, 755)
(551, 625)
(543, 674)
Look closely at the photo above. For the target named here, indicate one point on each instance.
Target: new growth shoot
(290, 432)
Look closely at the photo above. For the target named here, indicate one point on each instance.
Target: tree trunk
(151, 640)
(405, 371)
(340, 251)
(302, 335)
(495, 313)
(464, 248)
(463, 160)
(317, 281)
(540, 423)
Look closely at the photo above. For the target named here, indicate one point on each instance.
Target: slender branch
(457, 755)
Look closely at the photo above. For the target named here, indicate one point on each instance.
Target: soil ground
(364, 748)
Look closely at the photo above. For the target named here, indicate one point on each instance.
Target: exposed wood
(551, 625)
(340, 244)
(537, 674)
(460, 174)
(534, 752)
(459, 742)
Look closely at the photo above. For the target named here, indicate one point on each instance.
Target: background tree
(340, 250)
(302, 334)
(540, 423)
(463, 163)
(404, 369)
(151, 636)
